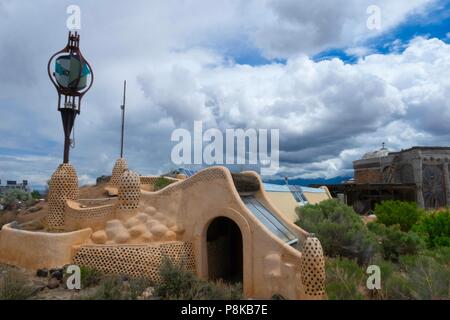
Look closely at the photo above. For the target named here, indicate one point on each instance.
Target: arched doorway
(224, 251)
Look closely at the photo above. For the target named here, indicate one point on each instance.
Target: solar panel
(297, 193)
(188, 172)
(270, 220)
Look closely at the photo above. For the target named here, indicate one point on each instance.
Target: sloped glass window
(270, 220)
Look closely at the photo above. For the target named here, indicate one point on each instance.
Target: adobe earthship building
(419, 174)
(217, 224)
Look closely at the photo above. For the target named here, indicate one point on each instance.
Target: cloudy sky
(313, 69)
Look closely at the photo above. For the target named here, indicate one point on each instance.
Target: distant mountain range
(298, 182)
(307, 182)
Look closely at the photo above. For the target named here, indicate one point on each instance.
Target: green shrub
(345, 280)
(115, 288)
(391, 212)
(90, 277)
(161, 183)
(415, 277)
(427, 279)
(180, 284)
(14, 195)
(36, 195)
(340, 230)
(136, 287)
(440, 254)
(435, 228)
(110, 288)
(395, 242)
(14, 286)
(394, 286)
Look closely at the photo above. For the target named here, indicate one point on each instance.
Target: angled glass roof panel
(269, 220)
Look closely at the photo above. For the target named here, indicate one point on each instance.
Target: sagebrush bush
(110, 288)
(395, 242)
(345, 280)
(434, 227)
(136, 287)
(440, 254)
(180, 284)
(427, 279)
(413, 277)
(14, 286)
(339, 229)
(115, 288)
(392, 212)
(90, 277)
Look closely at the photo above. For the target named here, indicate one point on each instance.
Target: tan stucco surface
(34, 250)
(285, 202)
(316, 197)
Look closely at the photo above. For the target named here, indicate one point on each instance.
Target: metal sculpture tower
(71, 80)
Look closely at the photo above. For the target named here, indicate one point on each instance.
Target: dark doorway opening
(224, 249)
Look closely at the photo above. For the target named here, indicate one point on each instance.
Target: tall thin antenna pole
(123, 116)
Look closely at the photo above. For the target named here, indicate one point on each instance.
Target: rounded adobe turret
(63, 186)
(313, 268)
(120, 167)
(129, 191)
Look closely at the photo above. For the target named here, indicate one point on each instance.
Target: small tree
(405, 214)
(339, 229)
(36, 195)
(14, 196)
(434, 227)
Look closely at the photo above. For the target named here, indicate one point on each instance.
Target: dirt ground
(93, 192)
(42, 292)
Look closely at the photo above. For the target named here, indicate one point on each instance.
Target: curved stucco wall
(34, 250)
(77, 217)
(270, 266)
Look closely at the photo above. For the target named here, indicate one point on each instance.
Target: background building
(418, 174)
(13, 185)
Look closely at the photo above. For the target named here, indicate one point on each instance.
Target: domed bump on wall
(133, 221)
(140, 228)
(313, 267)
(137, 230)
(272, 265)
(117, 232)
(159, 230)
(147, 237)
(151, 211)
(120, 167)
(178, 229)
(99, 237)
(63, 186)
(142, 217)
(151, 223)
